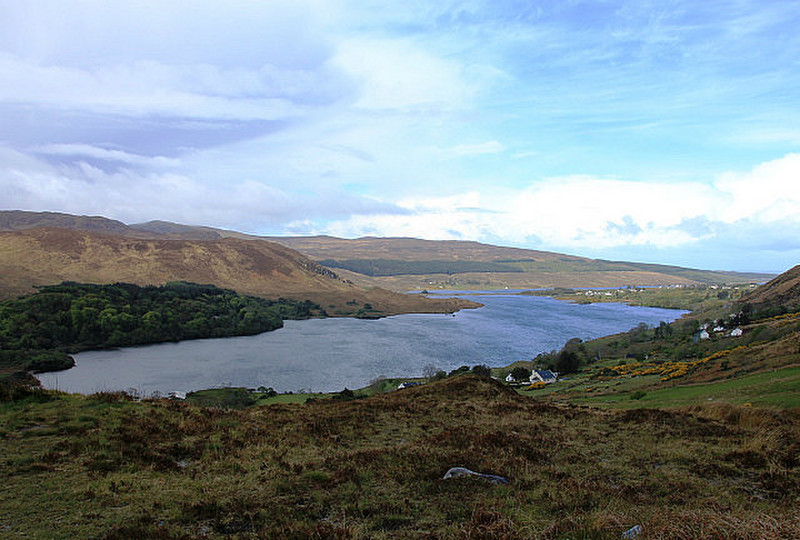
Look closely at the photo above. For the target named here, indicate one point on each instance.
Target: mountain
(403, 264)
(43, 256)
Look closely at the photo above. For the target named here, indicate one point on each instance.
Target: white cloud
(398, 74)
(581, 213)
(477, 149)
(133, 195)
(769, 192)
(148, 88)
(444, 205)
(105, 154)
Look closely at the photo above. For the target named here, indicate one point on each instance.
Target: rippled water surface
(330, 354)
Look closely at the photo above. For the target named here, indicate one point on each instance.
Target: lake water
(330, 354)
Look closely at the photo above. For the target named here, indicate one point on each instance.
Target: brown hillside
(411, 249)
(784, 290)
(45, 256)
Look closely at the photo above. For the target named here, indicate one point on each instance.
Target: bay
(325, 355)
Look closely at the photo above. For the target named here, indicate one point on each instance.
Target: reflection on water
(330, 354)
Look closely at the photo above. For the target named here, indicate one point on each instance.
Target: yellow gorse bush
(669, 370)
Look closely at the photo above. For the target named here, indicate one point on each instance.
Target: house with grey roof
(543, 375)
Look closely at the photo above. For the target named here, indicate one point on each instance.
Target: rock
(457, 472)
(633, 532)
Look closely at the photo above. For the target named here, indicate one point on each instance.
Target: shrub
(482, 370)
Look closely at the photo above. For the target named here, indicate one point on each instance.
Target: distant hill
(166, 228)
(45, 256)
(409, 263)
(403, 264)
(19, 220)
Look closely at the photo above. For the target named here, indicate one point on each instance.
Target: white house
(543, 375)
(736, 332)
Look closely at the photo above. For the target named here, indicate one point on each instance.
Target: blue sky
(650, 131)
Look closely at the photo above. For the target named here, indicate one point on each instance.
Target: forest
(37, 332)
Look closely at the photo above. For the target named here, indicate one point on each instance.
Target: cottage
(543, 375)
(407, 385)
(736, 332)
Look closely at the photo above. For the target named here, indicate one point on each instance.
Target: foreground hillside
(45, 256)
(104, 467)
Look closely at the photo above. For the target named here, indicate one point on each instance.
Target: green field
(778, 388)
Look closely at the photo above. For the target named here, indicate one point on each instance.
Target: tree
(482, 370)
(520, 373)
(567, 362)
(429, 372)
(459, 370)
(744, 316)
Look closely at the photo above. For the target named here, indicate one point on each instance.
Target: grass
(774, 388)
(777, 387)
(107, 467)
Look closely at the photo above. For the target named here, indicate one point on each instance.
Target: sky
(653, 131)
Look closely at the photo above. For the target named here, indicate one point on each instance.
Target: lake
(325, 355)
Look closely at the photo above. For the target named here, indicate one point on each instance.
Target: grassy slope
(772, 388)
(97, 467)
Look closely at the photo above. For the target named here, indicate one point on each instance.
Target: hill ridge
(513, 267)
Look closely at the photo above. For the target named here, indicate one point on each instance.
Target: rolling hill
(409, 264)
